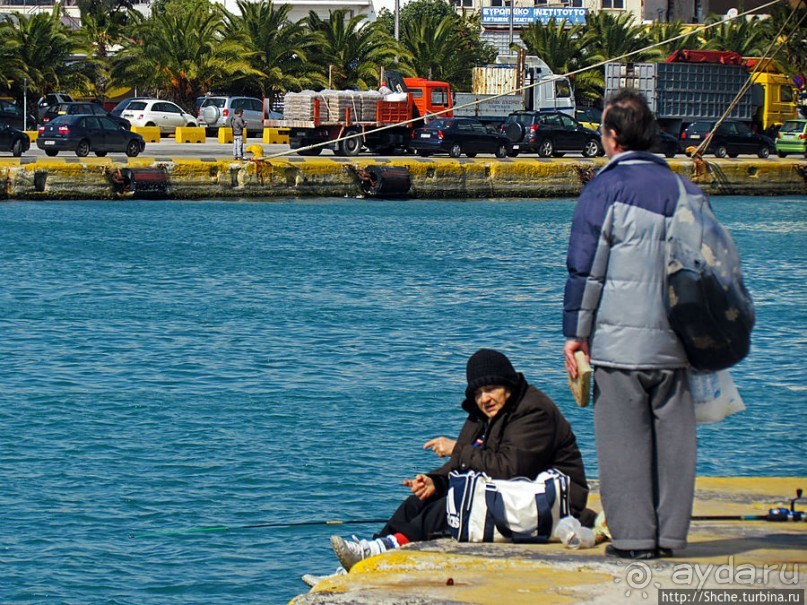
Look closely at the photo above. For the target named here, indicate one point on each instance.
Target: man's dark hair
(630, 119)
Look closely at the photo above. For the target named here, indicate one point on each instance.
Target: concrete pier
(205, 178)
(760, 556)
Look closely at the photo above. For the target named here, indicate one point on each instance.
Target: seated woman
(512, 430)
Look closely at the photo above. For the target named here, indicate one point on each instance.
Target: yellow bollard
(256, 150)
(277, 136)
(190, 134)
(150, 134)
(33, 135)
(225, 135)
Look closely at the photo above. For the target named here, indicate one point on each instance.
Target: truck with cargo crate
(691, 86)
(345, 120)
(514, 83)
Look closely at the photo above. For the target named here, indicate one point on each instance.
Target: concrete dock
(767, 559)
(66, 177)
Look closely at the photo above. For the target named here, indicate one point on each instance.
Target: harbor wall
(182, 178)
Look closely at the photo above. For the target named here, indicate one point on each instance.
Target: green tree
(791, 48)
(350, 50)
(38, 48)
(102, 26)
(608, 37)
(659, 32)
(745, 37)
(277, 49)
(180, 51)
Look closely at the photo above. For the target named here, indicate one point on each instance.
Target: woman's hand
(422, 486)
(442, 446)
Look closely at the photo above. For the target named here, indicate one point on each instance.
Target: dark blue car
(85, 133)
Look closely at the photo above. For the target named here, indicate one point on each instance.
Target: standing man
(613, 311)
(238, 124)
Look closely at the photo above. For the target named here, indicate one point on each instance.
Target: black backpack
(707, 304)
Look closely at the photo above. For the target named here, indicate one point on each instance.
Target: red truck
(380, 122)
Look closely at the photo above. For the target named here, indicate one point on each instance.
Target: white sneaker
(313, 580)
(350, 553)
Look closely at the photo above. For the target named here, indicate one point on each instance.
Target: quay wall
(183, 178)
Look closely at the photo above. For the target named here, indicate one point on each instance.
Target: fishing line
(225, 528)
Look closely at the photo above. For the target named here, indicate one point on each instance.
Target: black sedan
(13, 140)
(665, 143)
(456, 136)
(731, 139)
(85, 133)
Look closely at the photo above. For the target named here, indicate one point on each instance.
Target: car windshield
(793, 127)
(136, 105)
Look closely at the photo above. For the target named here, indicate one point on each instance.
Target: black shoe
(613, 551)
(665, 553)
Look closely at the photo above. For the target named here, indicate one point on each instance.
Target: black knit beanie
(489, 367)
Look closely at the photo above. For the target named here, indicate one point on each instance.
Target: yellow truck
(772, 96)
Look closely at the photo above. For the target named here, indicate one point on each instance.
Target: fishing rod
(224, 528)
(774, 514)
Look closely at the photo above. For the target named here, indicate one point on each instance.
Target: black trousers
(418, 519)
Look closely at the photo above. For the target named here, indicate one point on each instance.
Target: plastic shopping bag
(715, 396)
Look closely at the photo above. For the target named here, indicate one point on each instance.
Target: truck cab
(430, 96)
(773, 96)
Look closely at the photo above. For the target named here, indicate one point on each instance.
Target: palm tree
(277, 49)
(608, 37)
(659, 32)
(350, 50)
(434, 48)
(183, 53)
(791, 55)
(101, 29)
(745, 37)
(38, 48)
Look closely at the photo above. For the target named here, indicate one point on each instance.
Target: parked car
(118, 109)
(13, 115)
(731, 139)
(13, 140)
(85, 133)
(550, 133)
(215, 112)
(76, 108)
(792, 138)
(156, 112)
(456, 136)
(53, 98)
(665, 143)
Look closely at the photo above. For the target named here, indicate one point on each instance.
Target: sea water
(179, 365)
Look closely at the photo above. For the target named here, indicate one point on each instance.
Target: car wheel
(721, 151)
(471, 155)
(733, 155)
(150, 124)
(764, 151)
(191, 124)
(424, 154)
(781, 154)
(501, 151)
(16, 148)
(51, 152)
(455, 151)
(546, 148)
(100, 154)
(591, 149)
(83, 148)
(132, 149)
(514, 131)
(669, 154)
(314, 151)
(513, 153)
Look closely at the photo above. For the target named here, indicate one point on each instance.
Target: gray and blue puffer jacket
(614, 296)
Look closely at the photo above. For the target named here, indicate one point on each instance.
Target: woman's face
(491, 399)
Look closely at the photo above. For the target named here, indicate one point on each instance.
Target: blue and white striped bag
(481, 509)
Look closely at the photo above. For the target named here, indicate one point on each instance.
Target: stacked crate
(299, 105)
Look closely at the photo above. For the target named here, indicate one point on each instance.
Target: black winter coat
(528, 435)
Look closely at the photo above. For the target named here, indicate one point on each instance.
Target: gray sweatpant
(644, 421)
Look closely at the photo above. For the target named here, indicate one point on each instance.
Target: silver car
(215, 112)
